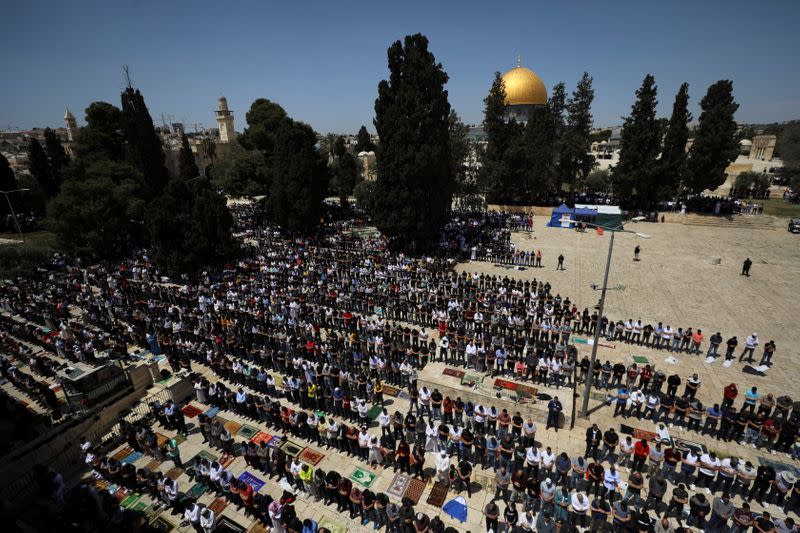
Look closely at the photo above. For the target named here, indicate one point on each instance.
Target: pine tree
(635, 175)
(56, 157)
(672, 166)
(576, 157)
(186, 163)
(714, 146)
(414, 190)
(39, 166)
(143, 145)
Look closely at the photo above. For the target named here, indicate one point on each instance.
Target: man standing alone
(560, 262)
(746, 267)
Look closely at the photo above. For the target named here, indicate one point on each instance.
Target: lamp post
(13, 214)
(603, 289)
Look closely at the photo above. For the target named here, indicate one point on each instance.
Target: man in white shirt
(208, 520)
(611, 482)
(191, 514)
(443, 467)
(709, 464)
(580, 505)
(384, 419)
(750, 344)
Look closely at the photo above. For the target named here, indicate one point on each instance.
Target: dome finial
(519, 60)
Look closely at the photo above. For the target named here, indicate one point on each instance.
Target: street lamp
(13, 214)
(603, 289)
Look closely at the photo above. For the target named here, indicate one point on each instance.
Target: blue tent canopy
(581, 213)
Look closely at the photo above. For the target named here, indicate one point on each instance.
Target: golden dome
(524, 87)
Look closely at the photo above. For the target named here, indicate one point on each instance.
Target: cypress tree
(673, 156)
(714, 146)
(635, 174)
(39, 166)
(363, 141)
(56, 157)
(8, 182)
(558, 106)
(576, 156)
(414, 190)
(186, 164)
(539, 138)
(299, 178)
(143, 146)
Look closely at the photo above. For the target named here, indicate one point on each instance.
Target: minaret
(72, 125)
(225, 121)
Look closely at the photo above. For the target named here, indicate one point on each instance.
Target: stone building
(763, 147)
(225, 121)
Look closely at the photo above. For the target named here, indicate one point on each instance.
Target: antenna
(126, 69)
(163, 121)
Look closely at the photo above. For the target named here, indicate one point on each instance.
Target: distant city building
(225, 121)
(763, 147)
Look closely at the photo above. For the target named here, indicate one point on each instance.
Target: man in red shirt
(641, 450)
(729, 394)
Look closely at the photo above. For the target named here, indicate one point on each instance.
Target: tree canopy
(672, 166)
(414, 189)
(187, 167)
(364, 141)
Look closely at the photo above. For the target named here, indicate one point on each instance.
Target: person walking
(636, 252)
(560, 262)
(746, 267)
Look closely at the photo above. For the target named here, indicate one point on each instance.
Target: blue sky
(322, 61)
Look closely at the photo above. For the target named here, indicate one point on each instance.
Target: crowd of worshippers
(541, 489)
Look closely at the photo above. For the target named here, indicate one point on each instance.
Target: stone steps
(743, 222)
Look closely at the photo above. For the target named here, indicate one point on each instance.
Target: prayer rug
(487, 482)
(778, 466)
(101, 484)
(153, 465)
(579, 340)
(470, 380)
(331, 526)
(246, 432)
(504, 384)
(258, 528)
(174, 473)
(218, 505)
(139, 506)
(162, 524)
(399, 485)
(197, 490)
(121, 494)
(123, 453)
(132, 457)
(191, 411)
(374, 411)
(388, 390)
(232, 426)
(415, 489)
(211, 413)
(453, 372)
(641, 360)
(438, 494)
(292, 449)
(599, 396)
(260, 437)
(643, 434)
(684, 445)
(527, 389)
(226, 459)
(208, 456)
(179, 438)
(365, 478)
(222, 420)
(275, 442)
(251, 480)
(161, 439)
(311, 456)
